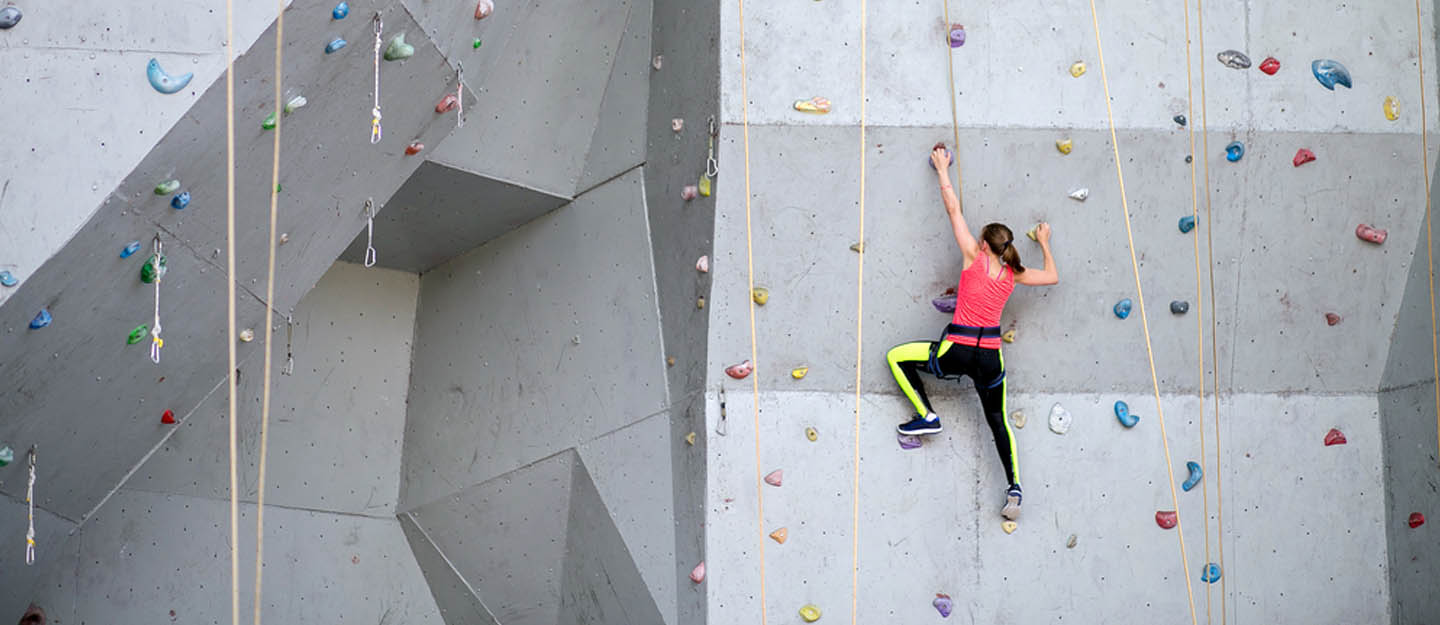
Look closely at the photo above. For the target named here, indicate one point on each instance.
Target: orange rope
(230, 303)
(1429, 241)
(859, 333)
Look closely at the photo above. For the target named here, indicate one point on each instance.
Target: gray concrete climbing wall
(1307, 530)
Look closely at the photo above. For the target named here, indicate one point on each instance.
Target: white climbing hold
(1059, 419)
(1080, 195)
(703, 265)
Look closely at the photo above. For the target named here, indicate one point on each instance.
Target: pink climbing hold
(703, 264)
(1166, 519)
(1333, 319)
(447, 103)
(690, 192)
(1303, 156)
(740, 371)
(1370, 233)
(697, 574)
(776, 477)
(1416, 520)
(484, 8)
(1335, 437)
(1270, 65)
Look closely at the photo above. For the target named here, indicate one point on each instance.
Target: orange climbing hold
(780, 535)
(1166, 519)
(1333, 319)
(447, 103)
(414, 148)
(776, 477)
(1335, 437)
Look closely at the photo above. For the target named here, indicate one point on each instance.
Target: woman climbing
(970, 345)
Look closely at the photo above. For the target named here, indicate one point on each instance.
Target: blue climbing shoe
(921, 426)
(1011, 511)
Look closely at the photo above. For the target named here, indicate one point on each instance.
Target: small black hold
(1179, 307)
(1180, 119)
(1188, 158)
(9, 17)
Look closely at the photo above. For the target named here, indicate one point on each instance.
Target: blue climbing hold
(1122, 308)
(8, 279)
(1234, 151)
(181, 201)
(130, 249)
(163, 82)
(1195, 474)
(41, 320)
(334, 45)
(1122, 412)
(1330, 73)
(341, 10)
(1187, 223)
(1211, 574)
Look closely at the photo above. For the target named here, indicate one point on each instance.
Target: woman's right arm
(1048, 275)
(940, 158)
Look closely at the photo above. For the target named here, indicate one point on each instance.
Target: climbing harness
(375, 112)
(460, 95)
(155, 341)
(30, 501)
(980, 334)
(369, 232)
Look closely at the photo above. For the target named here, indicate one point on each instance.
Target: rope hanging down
(859, 340)
(1429, 240)
(230, 373)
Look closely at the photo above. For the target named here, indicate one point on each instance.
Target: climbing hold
(269, 122)
(688, 193)
(690, 439)
(1180, 119)
(130, 249)
(1018, 419)
(780, 535)
(1333, 319)
(1234, 59)
(9, 17)
(1330, 73)
(476, 44)
(1122, 412)
(180, 201)
(1196, 474)
(1303, 156)
(7, 455)
(858, 248)
(137, 334)
(1072, 541)
(247, 335)
(1059, 419)
(702, 264)
(1211, 574)
(41, 319)
(697, 574)
(1416, 520)
(704, 186)
(1370, 233)
(1187, 223)
(948, 155)
(341, 10)
(398, 49)
(1008, 336)
(700, 302)
(484, 8)
(812, 434)
(167, 187)
(816, 105)
(658, 62)
(799, 372)
(1235, 151)
(1077, 69)
(776, 477)
(414, 148)
(163, 82)
(1189, 159)
(334, 45)
(447, 103)
(294, 104)
(1031, 232)
(1270, 65)
(1392, 108)
(168, 417)
(1009, 526)
(942, 604)
(760, 295)
(740, 371)
(1122, 308)
(1335, 437)
(1179, 307)
(669, 361)
(944, 303)
(153, 269)
(810, 613)
(677, 124)
(957, 35)
(1166, 519)
(8, 279)
(1080, 195)
(1065, 146)
(908, 441)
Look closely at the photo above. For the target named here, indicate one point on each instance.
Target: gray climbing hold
(1179, 307)
(1234, 59)
(1187, 223)
(1123, 307)
(9, 17)
(1080, 195)
(8, 279)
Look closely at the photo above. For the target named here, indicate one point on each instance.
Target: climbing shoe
(920, 426)
(1011, 511)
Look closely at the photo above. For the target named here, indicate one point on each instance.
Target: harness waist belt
(977, 332)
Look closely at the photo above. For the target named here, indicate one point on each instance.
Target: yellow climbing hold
(1017, 419)
(1009, 527)
(858, 247)
(1392, 108)
(670, 361)
(1065, 146)
(760, 295)
(780, 535)
(816, 105)
(704, 185)
(1008, 336)
(1031, 232)
(690, 438)
(799, 372)
(1078, 69)
(813, 435)
(810, 613)
(700, 302)
(247, 335)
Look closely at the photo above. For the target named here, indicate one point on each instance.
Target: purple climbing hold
(1122, 308)
(9, 17)
(41, 319)
(957, 35)
(8, 279)
(943, 604)
(944, 303)
(909, 442)
(1330, 73)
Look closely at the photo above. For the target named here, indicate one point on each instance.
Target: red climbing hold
(1303, 156)
(1270, 65)
(1370, 233)
(1335, 437)
(740, 371)
(1333, 319)
(414, 148)
(776, 477)
(447, 103)
(1416, 520)
(1166, 519)
(168, 418)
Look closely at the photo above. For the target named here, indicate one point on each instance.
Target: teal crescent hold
(163, 82)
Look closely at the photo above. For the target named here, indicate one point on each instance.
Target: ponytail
(1001, 241)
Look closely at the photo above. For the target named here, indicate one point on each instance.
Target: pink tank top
(979, 301)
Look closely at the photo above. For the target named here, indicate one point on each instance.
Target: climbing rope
(1140, 295)
(1429, 241)
(859, 343)
(230, 374)
(750, 277)
(954, 116)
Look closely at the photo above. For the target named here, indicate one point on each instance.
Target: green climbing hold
(138, 334)
(476, 45)
(398, 49)
(167, 187)
(269, 123)
(154, 269)
(7, 455)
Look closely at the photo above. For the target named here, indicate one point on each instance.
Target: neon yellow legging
(986, 367)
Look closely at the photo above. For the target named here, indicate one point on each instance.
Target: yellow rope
(269, 299)
(754, 357)
(230, 302)
(859, 334)
(1429, 242)
(1140, 295)
(954, 116)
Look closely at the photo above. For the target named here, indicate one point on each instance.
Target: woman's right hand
(940, 157)
(1042, 233)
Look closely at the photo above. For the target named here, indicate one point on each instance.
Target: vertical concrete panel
(618, 143)
(601, 585)
(457, 602)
